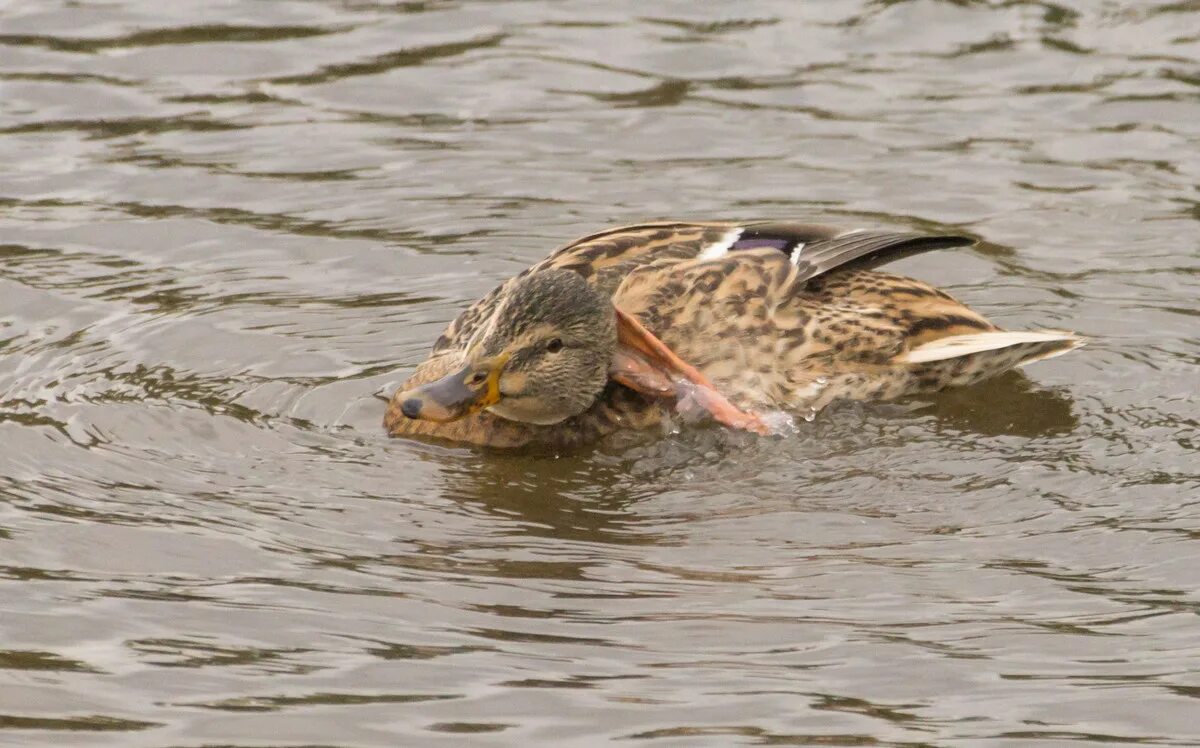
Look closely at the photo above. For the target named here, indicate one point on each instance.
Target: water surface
(226, 228)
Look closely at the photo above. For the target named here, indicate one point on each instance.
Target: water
(225, 228)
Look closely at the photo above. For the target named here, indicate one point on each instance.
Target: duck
(646, 326)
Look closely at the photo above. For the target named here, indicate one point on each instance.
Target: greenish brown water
(225, 228)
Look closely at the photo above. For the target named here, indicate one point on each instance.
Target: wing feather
(606, 258)
(868, 249)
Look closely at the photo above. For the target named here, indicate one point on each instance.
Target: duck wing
(606, 258)
(816, 249)
(813, 248)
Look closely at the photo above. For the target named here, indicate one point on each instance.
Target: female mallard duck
(621, 327)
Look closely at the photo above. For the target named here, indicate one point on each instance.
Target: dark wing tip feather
(892, 247)
(823, 248)
(870, 249)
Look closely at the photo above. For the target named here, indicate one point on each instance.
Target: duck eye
(555, 345)
(478, 377)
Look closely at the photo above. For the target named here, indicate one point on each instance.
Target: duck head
(548, 352)
(543, 357)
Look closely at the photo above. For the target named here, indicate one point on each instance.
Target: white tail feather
(955, 346)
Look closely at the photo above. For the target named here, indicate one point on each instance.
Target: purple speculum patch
(757, 242)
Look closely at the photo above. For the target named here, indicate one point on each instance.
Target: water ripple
(224, 230)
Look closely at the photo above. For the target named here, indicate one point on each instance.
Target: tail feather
(1039, 344)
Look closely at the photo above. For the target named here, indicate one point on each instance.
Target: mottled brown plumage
(772, 316)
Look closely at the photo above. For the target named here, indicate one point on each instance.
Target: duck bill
(645, 363)
(456, 395)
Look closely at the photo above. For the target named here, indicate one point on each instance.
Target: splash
(781, 423)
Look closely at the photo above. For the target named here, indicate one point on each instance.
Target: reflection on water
(1008, 404)
(225, 229)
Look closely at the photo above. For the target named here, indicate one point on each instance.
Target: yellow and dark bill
(466, 391)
